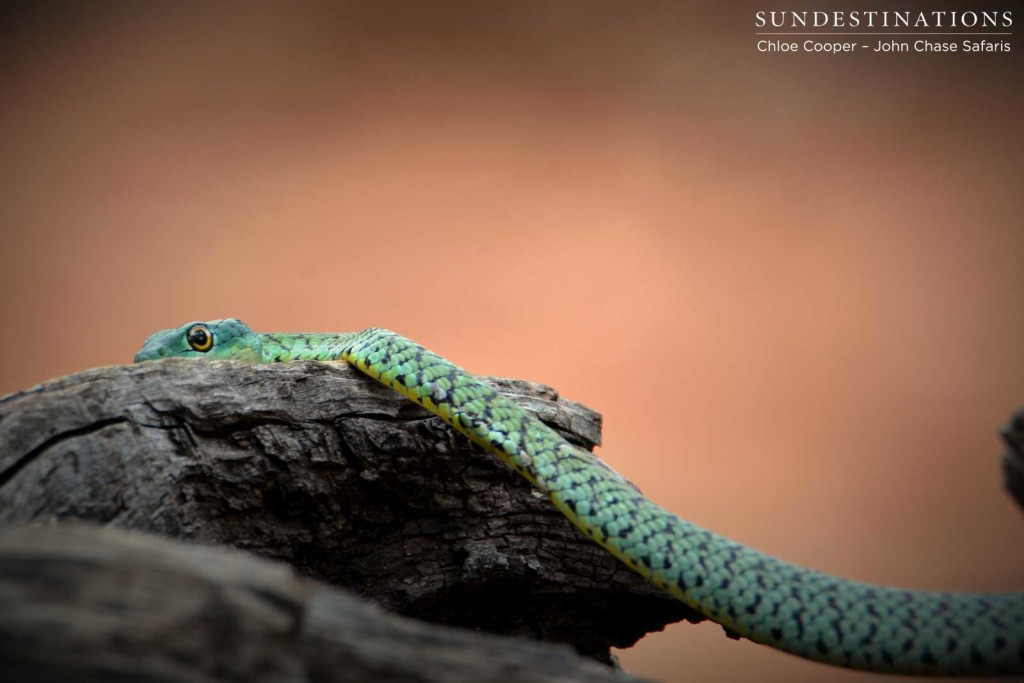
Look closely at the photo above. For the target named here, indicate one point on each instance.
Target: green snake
(769, 601)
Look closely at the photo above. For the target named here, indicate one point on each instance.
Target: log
(318, 466)
(95, 604)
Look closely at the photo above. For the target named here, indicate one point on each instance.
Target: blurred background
(791, 283)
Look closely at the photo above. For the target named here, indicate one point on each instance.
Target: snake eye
(200, 338)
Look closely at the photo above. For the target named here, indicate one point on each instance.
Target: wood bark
(344, 480)
(94, 604)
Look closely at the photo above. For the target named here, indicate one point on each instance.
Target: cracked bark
(346, 481)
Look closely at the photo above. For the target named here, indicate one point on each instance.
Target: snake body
(782, 605)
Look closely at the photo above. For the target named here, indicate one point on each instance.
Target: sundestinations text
(883, 19)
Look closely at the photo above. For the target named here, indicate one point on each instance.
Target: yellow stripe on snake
(782, 605)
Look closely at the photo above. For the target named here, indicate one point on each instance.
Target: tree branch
(1013, 460)
(343, 479)
(90, 604)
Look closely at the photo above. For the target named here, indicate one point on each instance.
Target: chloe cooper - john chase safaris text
(782, 605)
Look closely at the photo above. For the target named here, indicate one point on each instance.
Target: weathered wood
(345, 480)
(85, 603)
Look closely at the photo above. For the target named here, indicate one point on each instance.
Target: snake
(782, 605)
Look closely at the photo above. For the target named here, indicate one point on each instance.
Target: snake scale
(782, 605)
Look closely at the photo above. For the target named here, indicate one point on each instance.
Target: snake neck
(278, 347)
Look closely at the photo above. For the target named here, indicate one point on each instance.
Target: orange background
(792, 283)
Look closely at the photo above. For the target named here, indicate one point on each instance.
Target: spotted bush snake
(782, 605)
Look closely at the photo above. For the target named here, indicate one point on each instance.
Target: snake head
(228, 339)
